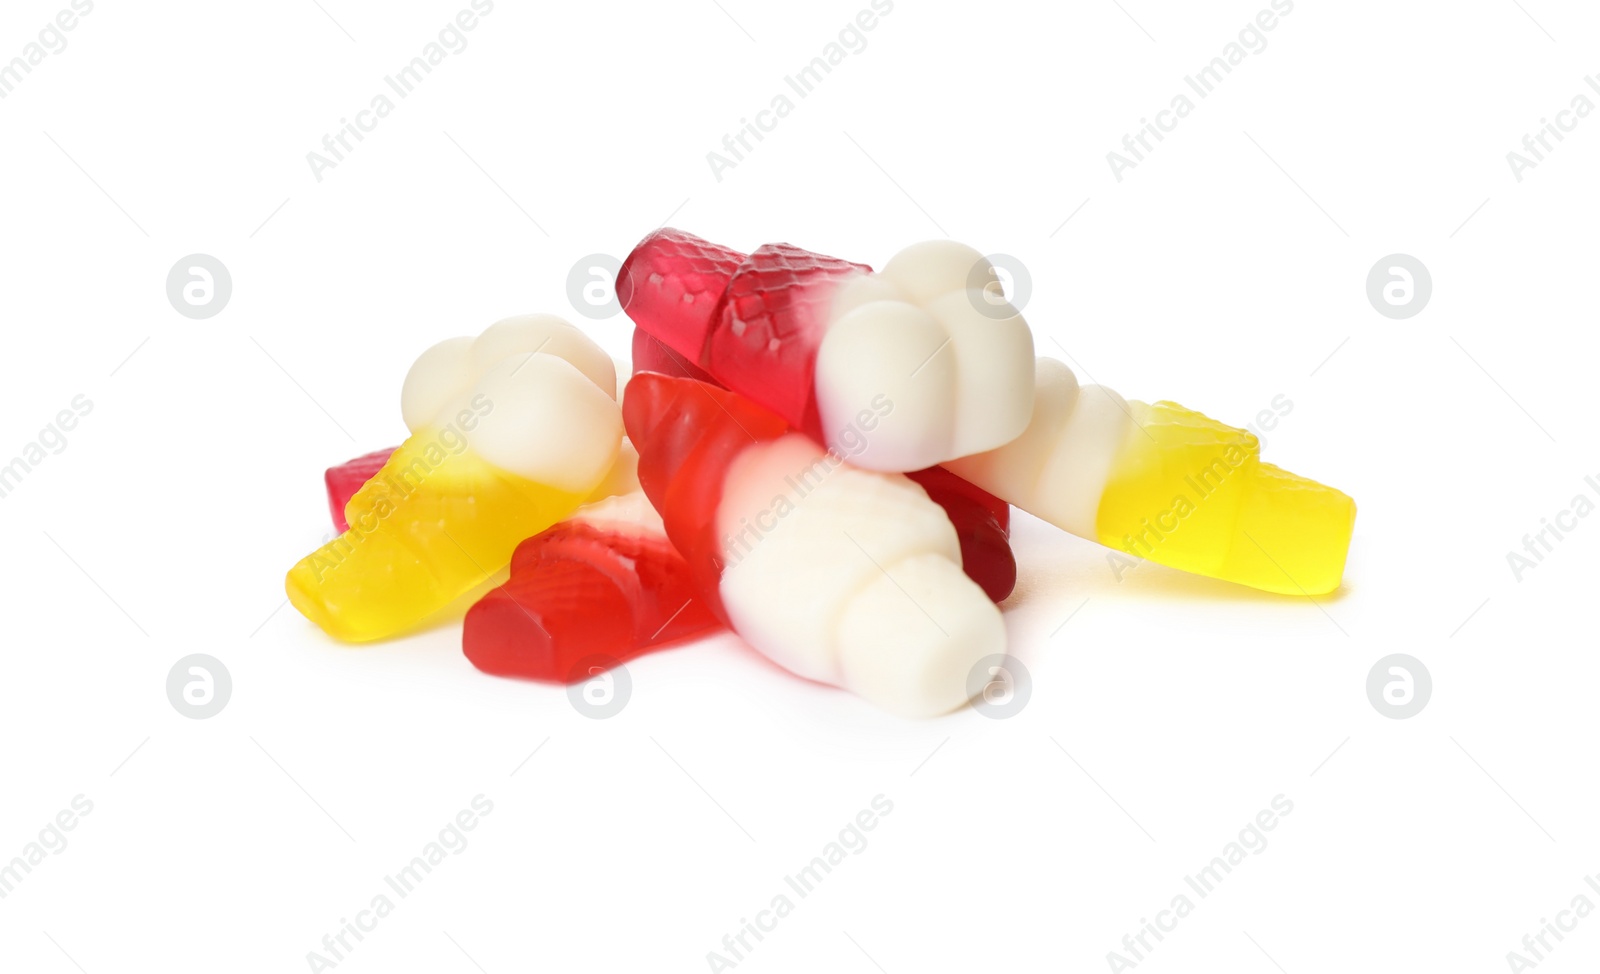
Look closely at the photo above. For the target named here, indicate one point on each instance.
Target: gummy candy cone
(982, 520)
(1164, 483)
(897, 371)
(841, 575)
(510, 433)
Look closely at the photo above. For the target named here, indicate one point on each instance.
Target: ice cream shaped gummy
(510, 433)
(1157, 481)
(919, 352)
(1161, 482)
(845, 576)
(982, 520)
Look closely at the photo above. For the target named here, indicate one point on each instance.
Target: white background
(1227, 269)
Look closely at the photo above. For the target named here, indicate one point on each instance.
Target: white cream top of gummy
(786, 520)
(909, 352)
(541, 397)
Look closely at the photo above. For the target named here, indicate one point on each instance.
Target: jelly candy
(845, 576)
(510, 433)
(982, 520)
(594, 591)
(897, 371)
(1168, 484)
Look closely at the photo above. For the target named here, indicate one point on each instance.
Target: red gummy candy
(651, 355)
(982, 520)
(687, 433)
(676, 281)
(754, 322)
(583, 598)
(983, 526)
(771, 327)
(344, 480)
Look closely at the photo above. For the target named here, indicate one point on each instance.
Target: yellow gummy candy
(1192, 493)
(430, 526)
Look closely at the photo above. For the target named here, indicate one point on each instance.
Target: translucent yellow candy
(421, 535)
(510, 433)
(1167, 484)
(1192, 493)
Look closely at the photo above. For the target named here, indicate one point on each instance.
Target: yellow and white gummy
(510, 433)
(1165, 483)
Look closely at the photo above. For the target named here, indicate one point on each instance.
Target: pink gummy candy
(754, 322)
